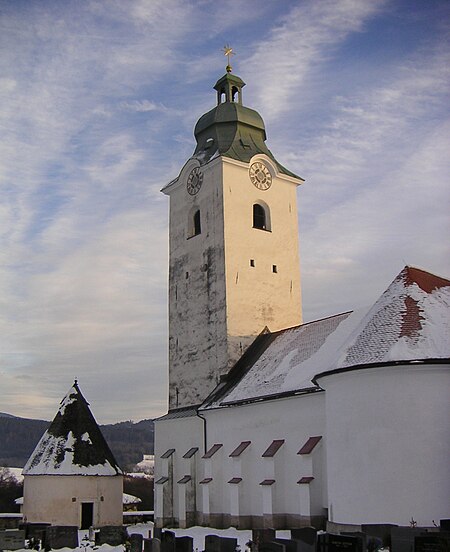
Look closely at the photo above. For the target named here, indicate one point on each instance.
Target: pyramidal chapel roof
(410, 322)
(73, 444)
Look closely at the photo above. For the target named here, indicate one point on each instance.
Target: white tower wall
(231, 280)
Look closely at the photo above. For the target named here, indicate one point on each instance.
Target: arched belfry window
(194, 223)
(261, 216)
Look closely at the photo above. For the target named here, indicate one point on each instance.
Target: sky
(98, 101)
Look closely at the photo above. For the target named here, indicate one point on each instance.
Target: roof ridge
(73, 444)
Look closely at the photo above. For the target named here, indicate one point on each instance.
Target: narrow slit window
(274, 268)
(197, 223)
(252, 262)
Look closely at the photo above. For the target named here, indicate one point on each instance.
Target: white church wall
(293, 420)
(388, 444)
(58, 499)
(182, 434)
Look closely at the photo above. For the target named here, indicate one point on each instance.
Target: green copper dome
(231, 129)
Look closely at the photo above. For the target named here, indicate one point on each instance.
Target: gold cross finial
(228, 51)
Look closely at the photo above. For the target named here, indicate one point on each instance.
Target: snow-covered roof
(130, 499)
(410, 321)
(73, 444)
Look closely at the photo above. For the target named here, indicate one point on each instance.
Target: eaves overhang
(262, 398)
(375, 365)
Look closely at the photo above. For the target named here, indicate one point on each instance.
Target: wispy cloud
(97, 109)
(287, 59)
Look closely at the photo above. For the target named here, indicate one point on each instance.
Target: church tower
(234, 262)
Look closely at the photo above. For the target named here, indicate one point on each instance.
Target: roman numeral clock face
(194, 181)
(260, 176)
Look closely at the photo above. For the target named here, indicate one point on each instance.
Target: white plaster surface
(48, 499)
(388, 444)
(218, 302)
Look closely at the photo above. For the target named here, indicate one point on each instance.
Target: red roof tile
(240, 449)
(267, 482)
(425, 280)
(185, 479)
(310, 445)
(273, 448)
(212, 451)
(305, 480)
(235, 480)
(206, 480)
(190, 453)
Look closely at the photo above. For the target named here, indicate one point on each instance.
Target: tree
(10, 489)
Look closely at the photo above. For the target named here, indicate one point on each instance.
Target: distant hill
(127, 440)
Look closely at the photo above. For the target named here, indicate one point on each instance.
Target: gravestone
(329, 542)
(184, 544)
(271, 546)
(374, 544)
(59, 536)
(444, 524)
(260, 536)
(306, 537)
(12, 539)
(136, 541)
(168, 541)
(379, 531)
(214, 543)
(402, 538)
(114, 535)
(359, 534)
(156, 545)
(290, 545)
(432, 542)
(35, 530)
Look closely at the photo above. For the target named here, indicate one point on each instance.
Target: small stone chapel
(72, 478)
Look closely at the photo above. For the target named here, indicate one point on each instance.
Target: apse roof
(73, 444)
(409, 322)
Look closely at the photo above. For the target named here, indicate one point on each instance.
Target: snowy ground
(198, 534)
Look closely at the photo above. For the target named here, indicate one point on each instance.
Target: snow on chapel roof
(409, 322)
(73, 444)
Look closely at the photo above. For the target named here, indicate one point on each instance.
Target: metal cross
(228, 51)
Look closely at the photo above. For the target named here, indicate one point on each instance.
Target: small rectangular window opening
(274, 268)
(187, 275)
(252, 262)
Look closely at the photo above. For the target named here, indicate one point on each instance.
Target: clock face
(194, 181)
(260, 176)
